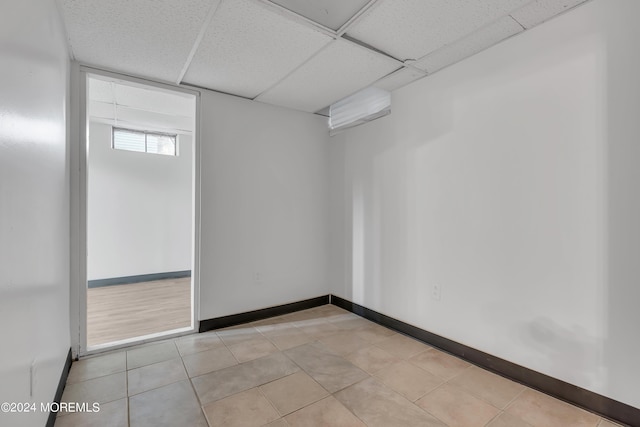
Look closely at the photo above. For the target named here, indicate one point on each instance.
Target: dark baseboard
(593, 402)
(252, 316)
(137, 279)
(63, 381)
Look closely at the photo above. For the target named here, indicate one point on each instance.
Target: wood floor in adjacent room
(125, 311)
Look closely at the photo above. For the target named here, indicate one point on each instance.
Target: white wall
(139, 209)
(34, 205)
(264, 205)
(510, 180)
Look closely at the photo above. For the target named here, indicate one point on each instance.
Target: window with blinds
(144, 142)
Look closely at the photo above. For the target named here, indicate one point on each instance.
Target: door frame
(78, 126)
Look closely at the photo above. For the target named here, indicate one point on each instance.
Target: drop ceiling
(124, 104)
(300, 54)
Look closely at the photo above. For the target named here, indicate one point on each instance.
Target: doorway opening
(140, 212)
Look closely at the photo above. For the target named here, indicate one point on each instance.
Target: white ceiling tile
(130, 105)
(151, 38)
(156, 100)
(249, 48)
(141, 98)
(330, 13)
(410, 29)
(139, 119)
(101, 109)
(150, 120)
(100, 90)
(539, 11)
(399, 78)
(336, 72)
(470, 45)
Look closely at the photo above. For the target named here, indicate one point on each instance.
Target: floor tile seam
(464, 390)
(368, 346)
(427, 392)
(270, 336)
(66, 414)
(471, 392)
(193, 389)
(560, 401)
(126, 390)
(420, 409)
(154, 388)
(110, 400)
(259, 388)
(429, 413)
(446, 379)
(494, 417)
(300, 370)
(126, 384)
(345, 406)
(227, 347)
(172, 340)
(195, 352)
(513, 401)
(93, 378)
(328, 391)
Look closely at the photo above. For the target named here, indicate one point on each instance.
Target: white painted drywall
(509, 180)
(34, 206)
(139, 208)
(264, 205)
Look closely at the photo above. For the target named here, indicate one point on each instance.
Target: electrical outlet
(436, 292)
(257, 278)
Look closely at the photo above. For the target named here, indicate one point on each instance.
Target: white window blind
(144, 142)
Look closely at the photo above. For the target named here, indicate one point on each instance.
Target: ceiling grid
(293, 53)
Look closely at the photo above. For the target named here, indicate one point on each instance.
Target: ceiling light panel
(332, 14)
(410, 29)
(336, 72)
(470, 45)
(248, 48)
(539, 11)
(400, 78)
(149, 38)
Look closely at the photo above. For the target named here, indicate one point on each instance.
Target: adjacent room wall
(264, 205)
(510, 181)
(139, 209)
(34, 206)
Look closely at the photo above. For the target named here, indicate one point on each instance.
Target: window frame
(146, 133)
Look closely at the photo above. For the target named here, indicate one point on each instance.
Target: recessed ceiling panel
(330, 13)
(539, 11)
(336, 72)
(470, 45)
(399, 78)
(410, 29)
(249, 48)
(149, 38)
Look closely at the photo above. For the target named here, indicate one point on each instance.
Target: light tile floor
(317, 367)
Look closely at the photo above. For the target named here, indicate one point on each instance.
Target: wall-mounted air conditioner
(361, 107)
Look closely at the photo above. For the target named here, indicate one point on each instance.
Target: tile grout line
(269, 400)
(126, 386)
(191, 383)
(525, 388)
